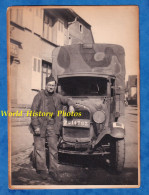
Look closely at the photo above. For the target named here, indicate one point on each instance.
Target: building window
(81, 28)
(47, 27)
(40, 70)
(46, 71)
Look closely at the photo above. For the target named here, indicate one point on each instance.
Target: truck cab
(84, 74)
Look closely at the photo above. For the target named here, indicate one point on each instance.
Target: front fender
(118, 130)
(100, 136)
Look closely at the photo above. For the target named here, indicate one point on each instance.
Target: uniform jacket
(39, 105)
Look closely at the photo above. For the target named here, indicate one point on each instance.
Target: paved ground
(24, 174)
(21, 139)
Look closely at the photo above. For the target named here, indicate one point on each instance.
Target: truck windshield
(82, 86)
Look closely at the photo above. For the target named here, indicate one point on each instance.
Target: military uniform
(49, 127)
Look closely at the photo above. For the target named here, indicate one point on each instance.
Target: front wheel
(117, 154)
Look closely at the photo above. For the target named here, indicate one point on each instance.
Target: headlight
(99, 116)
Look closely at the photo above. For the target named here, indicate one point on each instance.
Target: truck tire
(117, 155)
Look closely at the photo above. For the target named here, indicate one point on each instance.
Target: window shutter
(20, 17)
(45, 33)
(36, 73)
(16, 15)
(28, 18)
(60, 33)
(38, 21)
(13, 15)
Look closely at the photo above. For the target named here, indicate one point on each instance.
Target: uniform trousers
(39, 150)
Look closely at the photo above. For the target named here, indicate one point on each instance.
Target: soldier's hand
(37, 131)
(71, 109)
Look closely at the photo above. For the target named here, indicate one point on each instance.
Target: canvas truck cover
(102, 59)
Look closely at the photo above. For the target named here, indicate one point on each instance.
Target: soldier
(47, 128)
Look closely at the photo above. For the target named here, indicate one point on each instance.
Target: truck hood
(92, 104)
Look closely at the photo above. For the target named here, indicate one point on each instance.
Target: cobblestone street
(24, 174)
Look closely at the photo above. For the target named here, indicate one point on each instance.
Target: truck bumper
(84, 153)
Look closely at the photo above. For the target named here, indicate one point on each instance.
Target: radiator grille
(76, 132)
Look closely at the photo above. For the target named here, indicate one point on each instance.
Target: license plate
(76, 123)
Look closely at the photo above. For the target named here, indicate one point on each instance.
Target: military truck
(93, 75)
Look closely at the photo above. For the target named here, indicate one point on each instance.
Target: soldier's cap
(49, 79)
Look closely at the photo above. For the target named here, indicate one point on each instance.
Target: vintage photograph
(73, 97)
